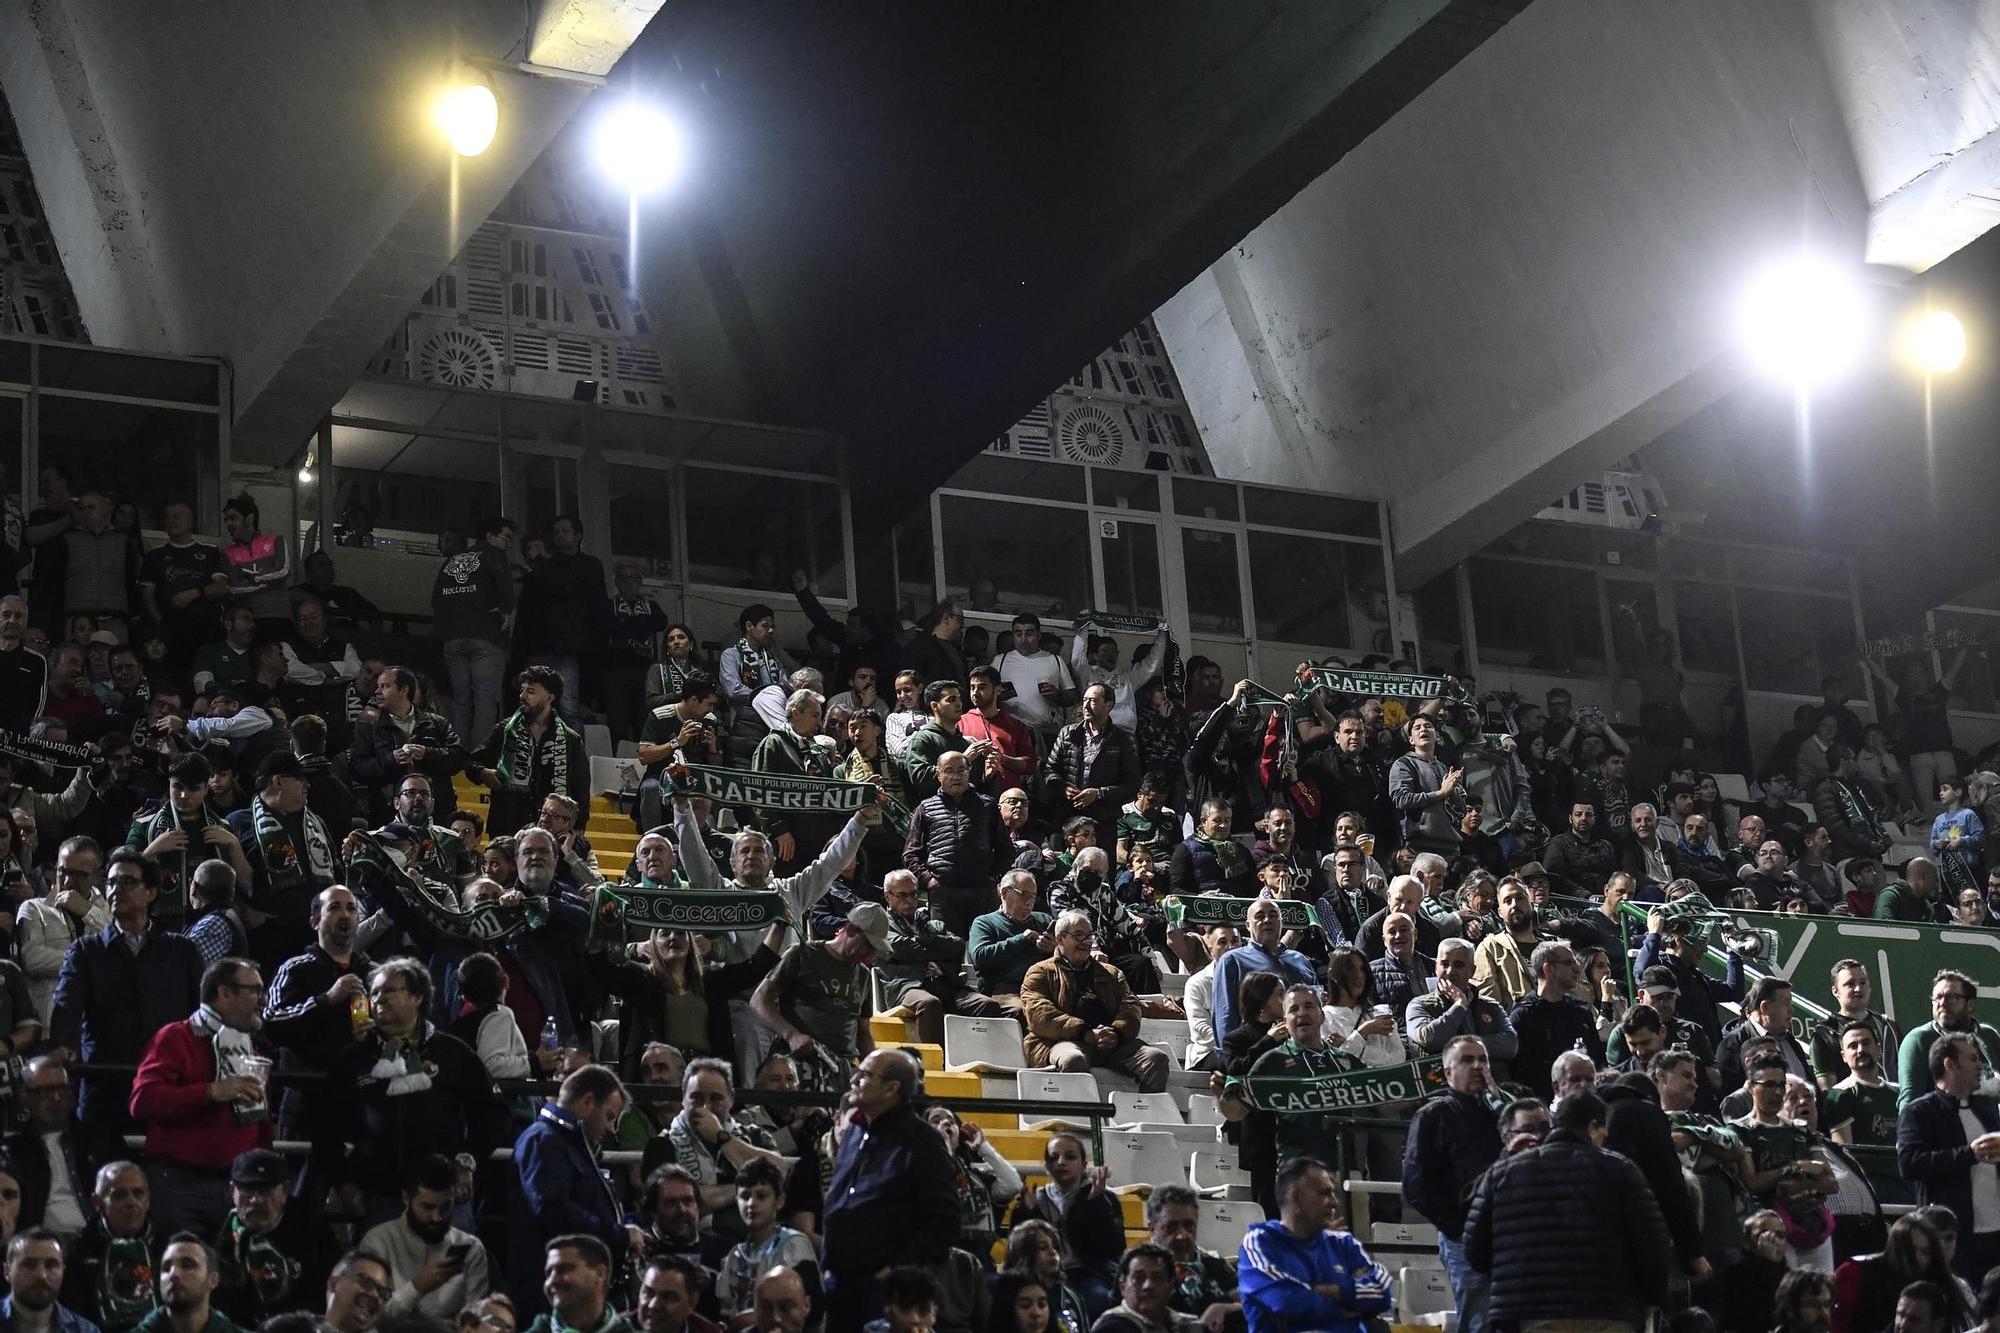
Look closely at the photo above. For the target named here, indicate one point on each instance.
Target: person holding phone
(435, 1268)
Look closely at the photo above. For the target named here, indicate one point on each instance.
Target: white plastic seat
(982, 1045)
(1173, 984)
(1221, 1226)
(1140, 1161)
(1050, 1085)
(1213, 1171)
(1150, 1108)
(1169, 1034)
(1202, 1110)
(626, 750)
(1732, 787)
(1422, 1289)
(613, 777)
(597, 739)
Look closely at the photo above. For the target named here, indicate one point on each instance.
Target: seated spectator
(782, 1303)
(670, 1218)
(760, 1189)
(670, 1289)
(1352, 1025)
(1081, 1012)
(987, 1181)
(576, 1279)
(189, 1276)
(1261, 952)
(817, 998)
(921, 969)
(435, 1270)
(1147, 822)
(1580, 858)
(1003, 945)
(108, 1278)
(1198, 999)
(1076, 1203)
(1212, 861)
(34, 1272)
(273, 1251)
(1406, 896)
(1145, 1286)
(1116, 922)
(1203, 1283)
(47, 1156)
(711, 1145)
(1297, 1271)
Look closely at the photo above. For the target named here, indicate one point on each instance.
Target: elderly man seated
(1081, 1012)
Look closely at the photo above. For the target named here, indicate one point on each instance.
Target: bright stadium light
(638, 146)
(467, 112)
(1804, 319)
(1935, 342)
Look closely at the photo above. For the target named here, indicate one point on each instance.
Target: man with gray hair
(1005, 944)
(1551, 1020)
(750, 863)
(1457, 1009)
(796, 749)
(1080, 1011)
(955, 844)
(921, 970)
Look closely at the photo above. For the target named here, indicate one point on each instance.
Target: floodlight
(639, 146)
(1804, 319)
(468, 113)
(1935, 341)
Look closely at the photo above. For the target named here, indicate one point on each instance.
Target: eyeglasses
(243, 988)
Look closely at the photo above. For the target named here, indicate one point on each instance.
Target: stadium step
(891, 1030)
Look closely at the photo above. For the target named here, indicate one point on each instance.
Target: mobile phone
(458, 1254)
(1007, 690)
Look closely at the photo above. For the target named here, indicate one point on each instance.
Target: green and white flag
(1351, 1090)
(1212, 909)
(702, 911)
(1380, 684)
(773, 791)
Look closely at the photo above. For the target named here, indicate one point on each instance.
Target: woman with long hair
(1866, 1287)
(1035, 1258)
(1260, 1002)
(1721, 814)
(1350, 996)
(679, 657)
(1022, 1304)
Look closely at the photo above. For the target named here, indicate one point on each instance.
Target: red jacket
(170, 1098)
(1012, 740)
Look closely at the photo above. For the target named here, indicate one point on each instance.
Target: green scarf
(250, 1260)
(770, 791)
(283, 866)
(613, 907)
(1229, 855)
(369, 862)
(761, 662)
(517, 752)
(1380, 684)
(124, 1279)
(1345, 1089)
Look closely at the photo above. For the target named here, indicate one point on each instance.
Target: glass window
(1543, 617)
(1325, 594)
(916, 576)
(1214, 589)
(1205, 499)
(1441, 634)
(1111, 489)
(547, 487)
(752, 531)
(147, 455)
(418, 506)
(1792, 640)
(1131, 567)
(1551, 541)
(14, 361)
(1973, 687)
(1707, 628)
(642, 514)
(1635, 615)
(1028, 557)
(1793, 569)
(13, 430)
(1314, 513)
(1013, 476)
(132, 376)
(1699, 559)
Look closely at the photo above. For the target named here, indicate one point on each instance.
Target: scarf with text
(1172, 673)
(231, 1047)
(1346, 1090)
(1380, 684)
(1213, 909)
(1230, 857)
(771, 791)
(124, 1284)
(613, 907)
(278, 848)
(378, 870)
(517, 752)
(56, 754)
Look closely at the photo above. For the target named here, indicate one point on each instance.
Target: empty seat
(1202, 1110)
(1145, 1108)
(613, 777)
(1049, 1085)
(1732, 787)
(1174, 984)
(1408, 1235)
(982, 1045)
(1422, 1289)
(1169, 1034)
(626, 750)
(1140, 1161)
(1214, 1171)
(1223, 1222)
(597, 739)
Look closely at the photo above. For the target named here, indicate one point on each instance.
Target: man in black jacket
(1452, 1140)
(1551, 1020)
(1092, 768)
(954, 846)
(46, 1154)
(893, 1197)
(1579, 859)
(396, 738)
(472, 603)
(309, 1014)
(1637, 1127)
(1568, 1230)
(1948, 1145)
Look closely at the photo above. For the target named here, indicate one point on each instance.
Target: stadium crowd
(266, 889)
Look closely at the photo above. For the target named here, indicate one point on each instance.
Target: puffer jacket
(954, 843)
(1051, 993)
(1568, 1231)
(1116, 772)
(1844, 813)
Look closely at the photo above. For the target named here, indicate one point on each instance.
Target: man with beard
(1011, 760)
(272, 1251)
(1500, 963)
(200, 1093)
(1093, 767)
(181, 835)
(437, 852)
(34, 1276)
(530, 754)
(292, 855)
(1551, 1020)
(400, 740)
(109, 1275)
(1453, 1139)
(1861, 1108)
(671, 1214)
(310, 1015)
(188, 1279)
(1580, 859)
(1954, 1009)
(435, 1270)
(577, 1284)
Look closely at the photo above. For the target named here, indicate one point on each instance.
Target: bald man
(780, 1305)
(24, 675)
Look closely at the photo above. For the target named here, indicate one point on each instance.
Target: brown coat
(1050, 993)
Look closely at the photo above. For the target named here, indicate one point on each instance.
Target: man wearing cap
(272, 1253)
(817, 998)
(1659, 988)
(292, 857)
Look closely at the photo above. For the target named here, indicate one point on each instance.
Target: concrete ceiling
(908, 231)
(1533, 270)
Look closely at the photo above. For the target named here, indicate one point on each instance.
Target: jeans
(570, 706)
(1146, 1064)
(478, 674)
(1468, 1285)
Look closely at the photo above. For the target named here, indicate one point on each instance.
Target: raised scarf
(230, 1046)
(283, 867)
(517, 752)
(1230, 857)
(370, 863)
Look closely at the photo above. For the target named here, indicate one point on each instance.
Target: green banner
(1902, 956)
(1382, 684)
(1212, 909)
(772, 791)
(1353, 1090)
(703, 911)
